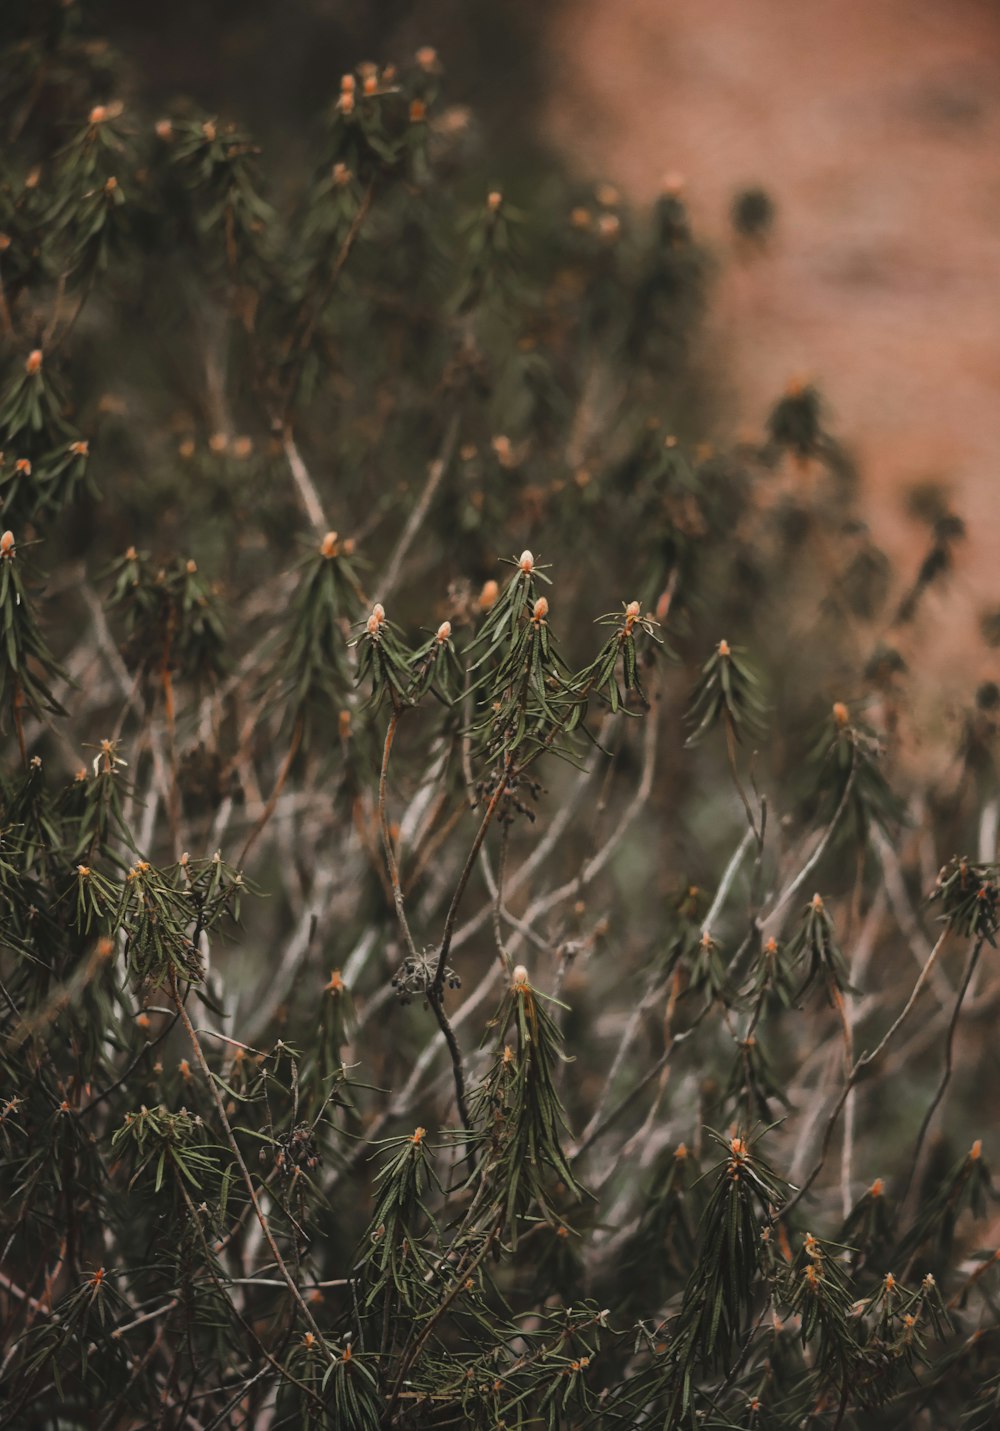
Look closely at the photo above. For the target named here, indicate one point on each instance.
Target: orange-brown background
(875, 125)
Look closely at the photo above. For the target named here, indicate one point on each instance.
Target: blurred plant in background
(469, 877)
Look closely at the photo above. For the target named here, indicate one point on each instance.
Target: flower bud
(444, 631)
(541, 610)
(418, 111)
(33, 361)
(488, 595)
(164, 130)
(328, 548)
(519, 979)
(98, 114)
(7, 544)
(80, 449)
(840, 713)
(723, 648)
(370, 85)
(348, 84)
(526, 561)
(209, 130)
(427, 58)
(493, 200)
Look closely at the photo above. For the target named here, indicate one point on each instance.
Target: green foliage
(269, 858)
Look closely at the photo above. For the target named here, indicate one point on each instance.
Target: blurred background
(868, 135)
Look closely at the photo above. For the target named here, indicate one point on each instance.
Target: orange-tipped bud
(427, 58)
(348, 84)
(488, 595)
(23, 466)
(341, 175)
(98, 114)
(328, 547)
(80, 449)
(723, 648)
(419, 1134)
(519, 979)
(526, 561)
(418, 111)
(840, 713)
(33, 361)
(7, 544)
(541, 610)
(209, 130)
(444, 631)
(346, 103)
(371, 84)
(493, 200)
(817, 902)
(164, 130)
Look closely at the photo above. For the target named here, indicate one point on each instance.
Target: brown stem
(387, 846)
(456, 899)
(279, 785)
(234, 1147)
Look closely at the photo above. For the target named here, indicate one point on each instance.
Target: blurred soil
(876, 130)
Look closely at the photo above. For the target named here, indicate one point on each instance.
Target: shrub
(447, 982)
